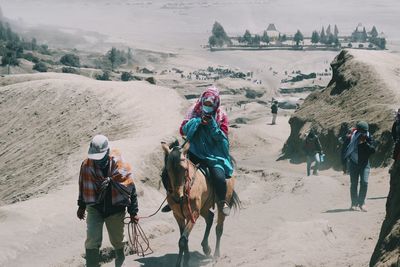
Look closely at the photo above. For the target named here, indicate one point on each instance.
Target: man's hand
(134, 219)
(81, 213)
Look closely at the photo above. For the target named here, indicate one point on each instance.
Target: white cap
(98, 147)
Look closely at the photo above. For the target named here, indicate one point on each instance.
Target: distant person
(313, 150)
(274, 111)
(360, 148)
(106, 189)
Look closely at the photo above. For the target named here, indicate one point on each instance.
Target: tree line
(328, 37)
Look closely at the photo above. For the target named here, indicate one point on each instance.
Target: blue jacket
(209, 143)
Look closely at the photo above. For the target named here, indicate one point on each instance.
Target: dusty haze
(173, 24)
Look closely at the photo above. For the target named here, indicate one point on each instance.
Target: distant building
(360, 34)
(272, 32)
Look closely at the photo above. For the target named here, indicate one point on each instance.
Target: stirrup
(166, 208)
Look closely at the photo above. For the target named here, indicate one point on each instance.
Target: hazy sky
(173, 23)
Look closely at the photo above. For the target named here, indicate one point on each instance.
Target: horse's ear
(185, 148)
(165, 147)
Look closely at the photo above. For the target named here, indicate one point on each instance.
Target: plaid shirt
(92, 181)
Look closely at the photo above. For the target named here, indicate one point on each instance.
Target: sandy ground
(288, 219)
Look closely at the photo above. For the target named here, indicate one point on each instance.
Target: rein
(137, 238)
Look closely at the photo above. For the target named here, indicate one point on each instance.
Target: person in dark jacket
(106, 190)
(394, 170)
(274, 111)
(396, 136)
(360, 148)
(313, 150)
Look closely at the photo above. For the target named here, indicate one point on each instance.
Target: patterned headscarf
(210, 94)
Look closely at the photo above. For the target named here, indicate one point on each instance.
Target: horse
(193, 195)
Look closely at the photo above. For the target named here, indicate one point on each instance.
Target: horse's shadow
(196, 260)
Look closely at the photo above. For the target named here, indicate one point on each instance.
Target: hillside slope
(364, 86)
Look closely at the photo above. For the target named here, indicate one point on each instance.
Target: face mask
(102, 163)
(207, 109)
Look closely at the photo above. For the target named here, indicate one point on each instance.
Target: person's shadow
(337, 210)
(196, 260)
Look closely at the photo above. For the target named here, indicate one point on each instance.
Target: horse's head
(176, 164)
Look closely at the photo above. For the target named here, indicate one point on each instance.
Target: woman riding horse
(206, 129)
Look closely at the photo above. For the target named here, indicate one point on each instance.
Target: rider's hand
(205, 118)
(134, 219)
(81, 213)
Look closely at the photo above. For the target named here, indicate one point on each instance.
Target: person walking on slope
(360, 148)
(313, 150)
(274, 111)
(106, 189)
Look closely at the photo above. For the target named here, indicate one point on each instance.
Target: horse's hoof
(216, 255)
(207, 250)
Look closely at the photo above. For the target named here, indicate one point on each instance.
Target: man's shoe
(354, 208)
(363, 208)
(166, 208)
(119, 257)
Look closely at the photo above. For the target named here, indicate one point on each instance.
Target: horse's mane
(174, 158)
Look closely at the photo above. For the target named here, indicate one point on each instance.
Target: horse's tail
(235, 202)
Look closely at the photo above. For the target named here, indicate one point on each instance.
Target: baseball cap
(362, 125)
(98, 147)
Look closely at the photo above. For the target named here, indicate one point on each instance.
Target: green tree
(40, 66)
(256, 40)
(103, 77)
(212, 41)
(336, 31)
(10, 59)
(298, 37)
(33, 44)
(314, 37)
(265, 37)
(364, 35)
(71, 60)
(129, 56)
(126, 76)
(322, 36)
(219, 36)
(112, 57)
(330, 40)
(247, 37)
(219, 32)
(328, 30)
(374, 32)
(282, 38)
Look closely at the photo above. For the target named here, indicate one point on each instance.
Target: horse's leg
(181, 224)
(184, 240)
(219, 229)
(209, 217)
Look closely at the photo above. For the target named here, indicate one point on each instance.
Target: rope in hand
(137, 238)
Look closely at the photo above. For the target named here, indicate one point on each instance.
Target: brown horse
(193, 195)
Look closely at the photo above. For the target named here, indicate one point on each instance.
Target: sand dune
(47, 122)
